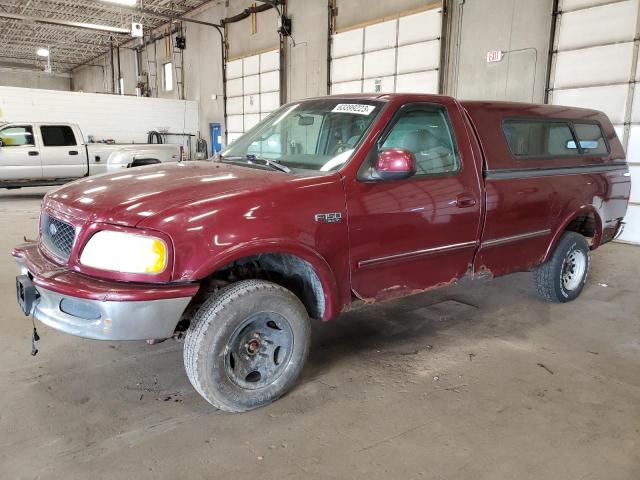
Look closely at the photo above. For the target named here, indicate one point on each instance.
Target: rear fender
(583, 210)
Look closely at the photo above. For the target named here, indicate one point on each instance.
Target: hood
(131, 196)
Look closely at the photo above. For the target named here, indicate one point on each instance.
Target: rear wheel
(563, 276)
(246, 345)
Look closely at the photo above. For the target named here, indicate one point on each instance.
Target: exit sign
(494, 56)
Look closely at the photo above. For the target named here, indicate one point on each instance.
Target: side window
(57, 136)
(425, 131)
(17, 136)
(590, 138)
(539, 138)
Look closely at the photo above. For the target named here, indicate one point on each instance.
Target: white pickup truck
(42, 154)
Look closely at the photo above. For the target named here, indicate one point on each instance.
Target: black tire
(216, 355)
(559, 280)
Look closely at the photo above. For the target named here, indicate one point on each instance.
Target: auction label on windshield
(358, 108)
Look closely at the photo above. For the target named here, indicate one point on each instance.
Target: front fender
(277, 245)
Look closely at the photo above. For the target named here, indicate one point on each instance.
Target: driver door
(412, 234)
(19, 154)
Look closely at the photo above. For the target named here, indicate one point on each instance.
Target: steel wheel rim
(573, 269)
(258, 351)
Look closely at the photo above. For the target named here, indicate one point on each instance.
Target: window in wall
(539, 138)
(590, 138)
(16, 136)
(121, 86)
(57, 136)
(167, 76)
(426, 133)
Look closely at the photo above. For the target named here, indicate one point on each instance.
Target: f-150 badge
(333, 217)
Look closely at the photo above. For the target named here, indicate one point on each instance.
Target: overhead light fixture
(129, 3)
(42, 52)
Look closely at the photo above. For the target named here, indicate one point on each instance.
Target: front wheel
(562, 277)
(246, 345)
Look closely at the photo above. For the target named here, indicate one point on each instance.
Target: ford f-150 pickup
(37, 154)
(326, 203)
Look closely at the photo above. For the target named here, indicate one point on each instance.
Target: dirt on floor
(470, 382)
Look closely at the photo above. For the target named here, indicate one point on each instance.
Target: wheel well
(584, 225)
(140, 162)
(285, 269)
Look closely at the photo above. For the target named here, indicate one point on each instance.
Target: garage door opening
(398, 55)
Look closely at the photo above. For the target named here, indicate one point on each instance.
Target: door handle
(73, 152)
(33, 153)
(465, 201)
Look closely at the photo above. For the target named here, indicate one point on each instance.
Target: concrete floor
(464, 383)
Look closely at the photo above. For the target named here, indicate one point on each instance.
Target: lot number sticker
(358, 108)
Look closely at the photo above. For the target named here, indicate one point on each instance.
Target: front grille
(57, 236)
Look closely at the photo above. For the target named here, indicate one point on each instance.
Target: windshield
(313, 135)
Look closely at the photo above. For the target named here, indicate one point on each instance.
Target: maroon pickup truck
(326, 202)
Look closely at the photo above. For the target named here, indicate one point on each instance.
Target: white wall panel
(235, 123)
(598, 25)
(635, 183)
(251, 84)
(635, 110)
(270, 61)
(250, 120)
(611, 99)
(125, 119)
(252, 91)
(633, 149)
(380, 63)
(372, 55)
(234, 69)
(251, 65)
(270, 81)
(593, 66)
(419, 56)
(347, 43)
(251, 104)
(234, 87)
(234, 105)
(567, 5)
(596, 50)
(420, 27)
(631, 231)
(346, 87)
(422, 82)
(269, 101)
(385, 84)
(346, 68)
(380, 36)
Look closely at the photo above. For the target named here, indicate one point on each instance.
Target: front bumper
(103, 310)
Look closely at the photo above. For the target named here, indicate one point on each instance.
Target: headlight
(125, 252)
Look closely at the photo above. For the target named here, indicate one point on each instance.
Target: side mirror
(305, 120)
(395, 164)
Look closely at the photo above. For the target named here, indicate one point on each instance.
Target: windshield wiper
(252, 158)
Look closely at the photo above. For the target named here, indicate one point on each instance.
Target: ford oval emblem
(53, 229)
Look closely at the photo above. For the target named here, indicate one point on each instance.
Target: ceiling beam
(172, 17)
(65, 23)
(34, 60)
